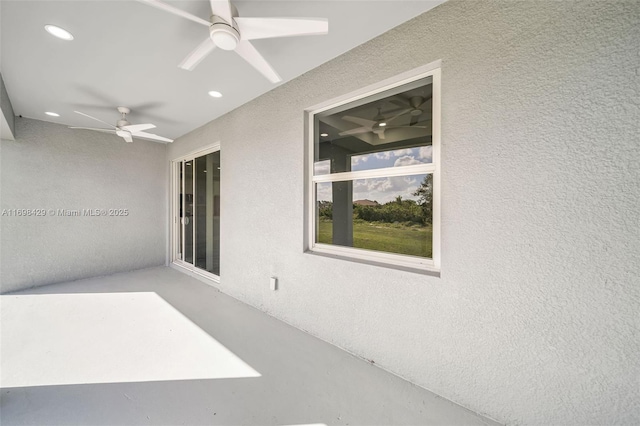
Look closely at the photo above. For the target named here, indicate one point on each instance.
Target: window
(374, 175)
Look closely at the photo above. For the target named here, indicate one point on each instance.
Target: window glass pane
(392, 158)
(391, 214)
(389, 129)
(324, 212)
(207, 212)
(322, 167)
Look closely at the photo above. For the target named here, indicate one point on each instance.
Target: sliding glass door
(196, 233)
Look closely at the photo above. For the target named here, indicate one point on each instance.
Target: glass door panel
(207, 212)
(187, 218)
(198, 212)
(180, 174)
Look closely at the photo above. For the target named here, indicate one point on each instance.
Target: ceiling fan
(378, 125)
(124, 129)
(416, 104)
(228, 31)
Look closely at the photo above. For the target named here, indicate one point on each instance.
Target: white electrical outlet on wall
(273, 283)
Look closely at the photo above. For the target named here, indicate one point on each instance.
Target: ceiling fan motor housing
(224, 35)
(123, 121)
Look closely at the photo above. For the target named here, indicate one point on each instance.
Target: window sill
(422, 270)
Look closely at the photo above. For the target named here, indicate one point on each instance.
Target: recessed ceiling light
(53, 114)
(324, 135)
(215, 94)
(58, 32)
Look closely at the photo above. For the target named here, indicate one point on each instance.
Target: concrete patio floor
(156, 346)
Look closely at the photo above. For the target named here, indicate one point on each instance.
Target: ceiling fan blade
(425, 102)
(151, 136)
(197, 55)
(124, 134)
(249, 53)
(361, 121)
(222, 8)
(175, 11)
(381, 134)
(357, 131)
(94, 129)
(403, 112)
(414, 120)
(138, 127)
(93, 118)
(391, 112)
(399, 101)
(408, 127)
(257, 28)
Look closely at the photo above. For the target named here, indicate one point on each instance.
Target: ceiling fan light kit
(223, 35)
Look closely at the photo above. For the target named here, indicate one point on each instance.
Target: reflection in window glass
(390, 129)
(392, 158)
(322, 168)
(390, 214)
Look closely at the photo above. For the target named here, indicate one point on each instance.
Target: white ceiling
(127, 53)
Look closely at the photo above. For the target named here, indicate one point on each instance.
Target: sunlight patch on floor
(56, 339)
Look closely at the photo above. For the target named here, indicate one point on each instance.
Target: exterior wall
(49, 166)
(534, 319)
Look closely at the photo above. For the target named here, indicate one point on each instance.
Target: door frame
(174, 219)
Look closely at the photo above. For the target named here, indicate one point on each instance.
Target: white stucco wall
(535, 317)
(49, 166)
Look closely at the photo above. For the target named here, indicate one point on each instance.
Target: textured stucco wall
(52, 167)
(535, 317)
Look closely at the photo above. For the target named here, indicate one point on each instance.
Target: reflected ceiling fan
(124, 129)
(228, 31)
(417, 107)
(378, 125)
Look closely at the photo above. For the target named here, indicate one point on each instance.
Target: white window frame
(432, 70)
(174, 219)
